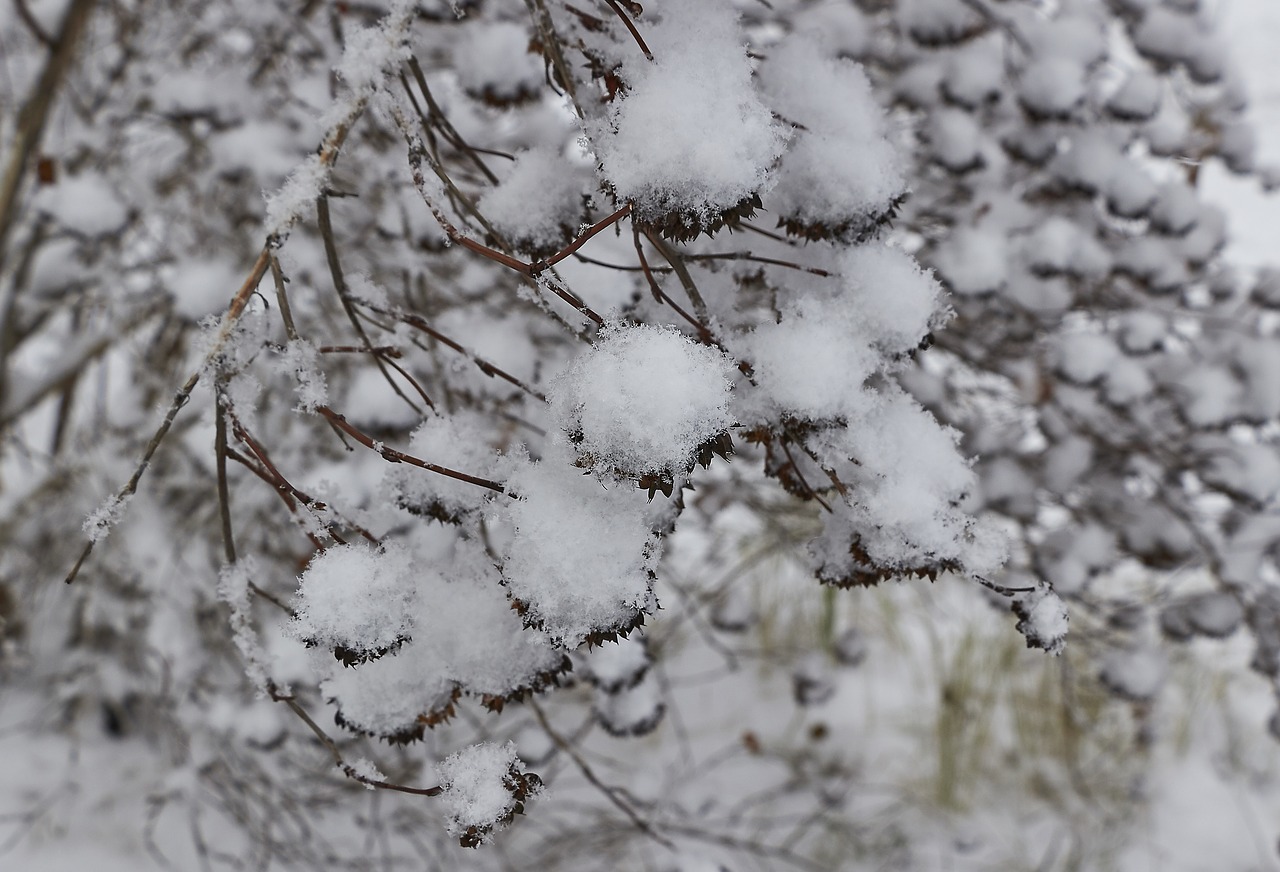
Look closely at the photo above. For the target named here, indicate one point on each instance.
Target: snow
(643, 400)
(1044, 619)
(1052, 86)
(478, 795)
(493, 62)
(356, 597)
(840, 169)
(461, 441)
(630, 711)
(975, 260)
(99, 522)
(580, 554)
(1136, 674)
(690, 137)
(300, 360)
(538, 202)
(614, 666)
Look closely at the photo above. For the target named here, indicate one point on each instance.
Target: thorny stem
(581, 240)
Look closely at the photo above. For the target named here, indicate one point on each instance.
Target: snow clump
(485, 786)
(355, 598)
(689, 139)
(643, 400)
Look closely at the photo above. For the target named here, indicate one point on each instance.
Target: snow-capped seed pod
(1051, 88)
(1042, 619)
(1238, 147)
(851, 647)
(1176, 209)
(579, 565)
(484, 787)
(1130, 191)
(1135, 674)
(973, 261)
(495, 64)
(1216, 614)
(812, 682)
(1266, 288)
(937, 23)
(1138, 98)
(1175, 622)
(631, 711)
(841, 178)
(1031, 145)
(356, 599)
(616, 666)
(975, 76)
(689, 145)
(458, 441)
(390, 699)
(955, 141)
(539, 202)
(645, 401)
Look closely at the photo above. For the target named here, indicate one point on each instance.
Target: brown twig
(393, 456)
(635, 34)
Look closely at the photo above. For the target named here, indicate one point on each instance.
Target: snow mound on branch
(494, 63)
(690, 135)
(581, 554)
(841, 171)
(465, 638)
(905, 479)
(391, 697)
(538, 202)
(974, 260)
(355, 597)
(1043, 619)
(461, 441)
(836, 333)
(894, 300)
(643, 400)
(485, 785)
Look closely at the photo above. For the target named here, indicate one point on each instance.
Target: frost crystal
(100, 521)
(643, 400)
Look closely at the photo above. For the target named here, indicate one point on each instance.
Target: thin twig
(393, 456)
(610, 793)
(635, 34)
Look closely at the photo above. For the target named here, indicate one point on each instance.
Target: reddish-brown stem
(746, 255)
(393, 456)
(485, 366)
(635, 34)
(581, 240)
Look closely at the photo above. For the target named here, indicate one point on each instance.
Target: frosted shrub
(577, 355)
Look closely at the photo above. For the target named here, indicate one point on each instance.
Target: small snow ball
(644, 401)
